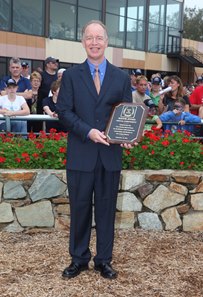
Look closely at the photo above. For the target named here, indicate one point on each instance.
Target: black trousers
(100, 186)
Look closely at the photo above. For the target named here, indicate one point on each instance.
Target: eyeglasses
(178, 106)
(98, 39)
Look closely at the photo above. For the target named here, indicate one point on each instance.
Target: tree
(193, 24)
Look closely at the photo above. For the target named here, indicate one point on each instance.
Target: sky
(193, 3)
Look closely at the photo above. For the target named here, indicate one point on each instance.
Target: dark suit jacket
(80, 109)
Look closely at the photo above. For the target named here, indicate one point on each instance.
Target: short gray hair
(15, 60)
(94, 22)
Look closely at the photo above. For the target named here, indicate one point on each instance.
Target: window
(28, 17)
(5, 16)
(85, 15)
(62, 20)
(135, 36)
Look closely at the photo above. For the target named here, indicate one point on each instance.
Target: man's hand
(97, 136)
(128, 145)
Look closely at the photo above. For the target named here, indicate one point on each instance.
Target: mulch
(155, 264)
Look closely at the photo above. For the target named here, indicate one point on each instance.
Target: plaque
(126, 123)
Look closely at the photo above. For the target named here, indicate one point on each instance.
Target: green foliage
(193, 24)
(169, 151)
(45, 151)
(155, 151)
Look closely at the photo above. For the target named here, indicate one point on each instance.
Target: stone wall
(151, 200)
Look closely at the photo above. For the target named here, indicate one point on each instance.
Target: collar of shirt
(101, 67)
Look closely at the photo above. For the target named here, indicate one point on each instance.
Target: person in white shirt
(13, 105)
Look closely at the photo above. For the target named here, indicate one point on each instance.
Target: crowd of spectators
(24, 92)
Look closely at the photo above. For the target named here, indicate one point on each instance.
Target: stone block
(171, 219)
(128, 202)
(162, 198)
(197, 201)
(193, 221)
(149, 221)
(125, 220)
(130, 179)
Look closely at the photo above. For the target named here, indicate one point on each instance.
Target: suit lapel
(85, 75)
(107, 82)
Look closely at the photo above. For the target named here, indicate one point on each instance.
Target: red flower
(2, 159)
(172, 153)
(27, 159)
(64, 162)
(31, 135)
(165, 143)
(35, 155)
(144, 147)
(57, 137)
(39, 145)
(182, 163)
(25, 155)
(62, 150)
(52, 130)
(18, 160)
(185, 140)
(127, 152)
(44, 154)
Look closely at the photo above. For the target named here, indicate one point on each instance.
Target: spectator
(13, 105)
(176, 93)
(25, 70)
(199, 81)
(180, 116)
(24, 87)
(139, 95)
(133, 76)
(196, 100)
(152, 115)
(49, 107)
(154, 94)
(48, 76)
(35, 79)
(59, 77)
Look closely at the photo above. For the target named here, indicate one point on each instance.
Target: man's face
(15, 70)
(142, 86)
(95, 42)
(52, 66)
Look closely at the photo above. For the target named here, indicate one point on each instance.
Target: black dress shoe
(106, 270)
(74, 269)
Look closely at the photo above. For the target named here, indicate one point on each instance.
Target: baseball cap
(51, 59)
(200, 78)
(156, 80)
(24, 64)
(149, 103)
(11, 82)
(136, 72)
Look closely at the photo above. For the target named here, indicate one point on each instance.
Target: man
(25, 70)
(196, 100)
(49, 75)
(24, 86)
(139, 96)
(93, 165)
(134, 74)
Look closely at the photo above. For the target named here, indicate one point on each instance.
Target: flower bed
(155, 151)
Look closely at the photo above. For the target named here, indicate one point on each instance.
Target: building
(145, 34)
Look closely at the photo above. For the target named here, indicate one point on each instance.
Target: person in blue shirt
(24, 86)
(179, 116)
